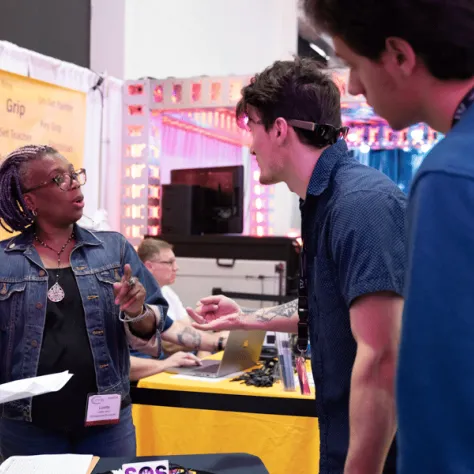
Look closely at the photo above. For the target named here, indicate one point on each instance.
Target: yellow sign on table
(35, 112)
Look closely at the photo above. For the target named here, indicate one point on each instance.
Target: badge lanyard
(303, 315)
(463, 106)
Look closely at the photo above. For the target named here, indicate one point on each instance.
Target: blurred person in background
(158, 256)
(414, 62)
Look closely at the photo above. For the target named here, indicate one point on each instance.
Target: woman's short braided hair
(14, 213)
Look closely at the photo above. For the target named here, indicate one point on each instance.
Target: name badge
(148, 467)
(103, 409)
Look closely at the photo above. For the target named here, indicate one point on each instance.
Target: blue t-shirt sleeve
(369, 243)
(168, 323)
(436, 371)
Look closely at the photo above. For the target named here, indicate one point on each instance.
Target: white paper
(47, 464)
(30, 387)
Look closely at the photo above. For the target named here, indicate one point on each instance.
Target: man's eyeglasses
(170, 263)
(326, 134)
(63, 180)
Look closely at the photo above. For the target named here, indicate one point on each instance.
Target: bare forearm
(372, 414)
(141, 368)
(191, 338)
(282, 318)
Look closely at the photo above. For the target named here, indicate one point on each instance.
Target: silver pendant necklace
(56, 292)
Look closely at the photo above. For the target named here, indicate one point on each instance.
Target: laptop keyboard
(210, 369)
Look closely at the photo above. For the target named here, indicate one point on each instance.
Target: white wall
(183, 38)
(108, 37)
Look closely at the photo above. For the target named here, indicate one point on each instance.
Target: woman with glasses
(69, 300)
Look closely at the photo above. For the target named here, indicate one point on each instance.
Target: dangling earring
(34, 213)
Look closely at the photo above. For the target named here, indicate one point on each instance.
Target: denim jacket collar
(24, 241)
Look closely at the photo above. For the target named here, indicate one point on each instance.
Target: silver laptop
(242, 352)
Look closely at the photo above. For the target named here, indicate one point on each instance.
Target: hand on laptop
(216, 313)
(182, 359)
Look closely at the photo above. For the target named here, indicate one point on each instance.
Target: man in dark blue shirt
(353, 229)
(414, 61)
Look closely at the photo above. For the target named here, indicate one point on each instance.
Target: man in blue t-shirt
(414, 62)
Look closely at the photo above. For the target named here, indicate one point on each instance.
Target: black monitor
(221, 192)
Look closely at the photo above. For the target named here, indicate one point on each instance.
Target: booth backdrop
(101, 154)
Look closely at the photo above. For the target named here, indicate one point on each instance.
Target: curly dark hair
(297, 89)
(441, 32)
(14, 213)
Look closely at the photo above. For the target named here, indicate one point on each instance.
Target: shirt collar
(322, 171)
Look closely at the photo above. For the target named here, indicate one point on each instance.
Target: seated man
(158, 257)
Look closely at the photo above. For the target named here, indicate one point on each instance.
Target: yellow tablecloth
(284, 443)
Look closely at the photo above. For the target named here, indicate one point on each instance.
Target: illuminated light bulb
(364, 148)
(256, 175)
(136, 231)
(270, 231)
(136, 212)
(260, 217)
(158, 94)
(136, 171)
(136, 190)
(153, 229)
(135, 130)
(417, 134)
(258, 203)
(136, 150)
(154, 192)
(352, 137)
(257, 189)
(154, 212)
(235, 91)
(154, 171)
(426, 147)
(260, 231)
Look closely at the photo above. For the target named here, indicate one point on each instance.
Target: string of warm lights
(367, 137)
(206, 105)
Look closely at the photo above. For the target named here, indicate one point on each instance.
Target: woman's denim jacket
(97, 260)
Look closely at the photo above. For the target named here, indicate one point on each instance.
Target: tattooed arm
(282, 318)
(218, 313)
(190, 338)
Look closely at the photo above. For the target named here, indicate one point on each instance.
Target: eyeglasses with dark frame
(165, 262)
(325, 132)
(63, 180)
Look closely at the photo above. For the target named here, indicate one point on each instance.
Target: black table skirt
(214, 463)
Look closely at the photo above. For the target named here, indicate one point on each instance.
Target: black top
(234, 463)
(65, 346)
